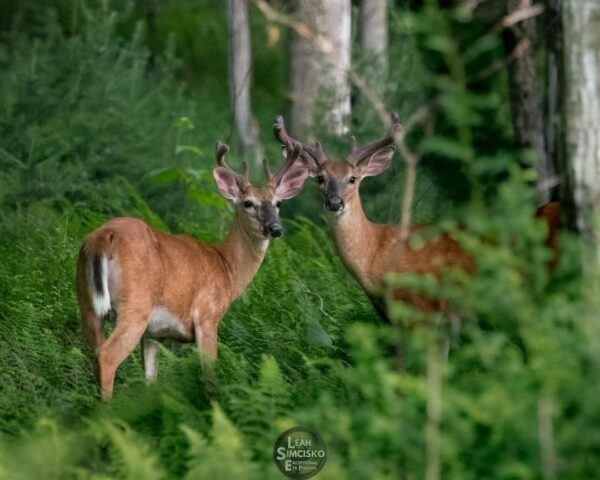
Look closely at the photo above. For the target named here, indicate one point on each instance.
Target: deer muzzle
(275, 229)
(270, 221)
(333, 200)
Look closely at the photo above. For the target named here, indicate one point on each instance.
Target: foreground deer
(172, 286)
(369, 250)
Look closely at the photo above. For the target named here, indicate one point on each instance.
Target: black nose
(275, 230)
(334, 204)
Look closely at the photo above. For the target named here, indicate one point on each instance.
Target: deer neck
(242, 253)
(355, 238)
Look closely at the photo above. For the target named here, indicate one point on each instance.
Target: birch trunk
(374, 40)
(581, 29)
(240, 77)
(319, 78)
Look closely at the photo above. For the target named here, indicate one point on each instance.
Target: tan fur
(551, 213)
(370, 250)
(188, 285)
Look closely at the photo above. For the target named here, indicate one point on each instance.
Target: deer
(162, 286)
(369, 250)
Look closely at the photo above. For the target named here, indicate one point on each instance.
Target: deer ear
(376, 163)
(292, 181)
(227, 184)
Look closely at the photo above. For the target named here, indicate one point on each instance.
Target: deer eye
(321, 179)
(248, 204)
(278, 204)
(352, 179)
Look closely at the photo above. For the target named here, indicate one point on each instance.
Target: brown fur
(551, 213)
(194, 282)
(370, 250)
(173, 271)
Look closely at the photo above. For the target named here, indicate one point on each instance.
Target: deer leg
(149, 353)
(92, 328)
(206, 342)
(124, 338)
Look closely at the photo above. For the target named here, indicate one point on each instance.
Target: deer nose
(275, 230)
(334, 204)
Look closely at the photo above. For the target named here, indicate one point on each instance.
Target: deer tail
(98, 249)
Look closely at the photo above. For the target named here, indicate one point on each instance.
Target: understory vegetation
(101, 117)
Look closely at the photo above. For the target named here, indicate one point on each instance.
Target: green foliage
(90, 128)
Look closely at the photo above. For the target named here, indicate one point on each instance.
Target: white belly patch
(163, 324)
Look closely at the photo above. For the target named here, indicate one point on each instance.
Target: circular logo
(299, 453)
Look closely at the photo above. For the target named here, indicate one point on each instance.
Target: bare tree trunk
(374, 40)
(525, 101)
(437, 355)
(581, 27)
(240, 77)
(553, 126)
(553, 59)
(320, 79)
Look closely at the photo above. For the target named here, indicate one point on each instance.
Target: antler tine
(220, 152)
(290, 159)
(281, 134)
(359, 154)
(353, 143)
(280, 131)
(266, 168)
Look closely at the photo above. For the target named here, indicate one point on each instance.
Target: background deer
(172, 286)
(369, 250)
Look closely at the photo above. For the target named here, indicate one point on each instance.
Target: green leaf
(184, 123)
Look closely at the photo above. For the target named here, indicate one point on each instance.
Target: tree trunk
(526, 105)
(374, 40)
(554, 122)
(553, 129)
(319, 78)
(581, 28)
(240, 77)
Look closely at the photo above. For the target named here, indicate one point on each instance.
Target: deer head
(257, 208)
(339, 181)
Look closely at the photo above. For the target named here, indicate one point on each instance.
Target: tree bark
(374, 40)
(319, 78)
(525, 101)
(581, 29)
(553, 129)
(240, 77)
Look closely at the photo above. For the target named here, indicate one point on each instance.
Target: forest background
(113, 108)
